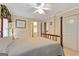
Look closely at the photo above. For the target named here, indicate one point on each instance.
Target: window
(5, 27)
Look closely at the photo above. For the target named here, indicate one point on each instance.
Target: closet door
(70, 32)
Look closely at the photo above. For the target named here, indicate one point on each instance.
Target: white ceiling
(23, 9)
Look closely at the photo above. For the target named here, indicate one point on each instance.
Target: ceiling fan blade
(35, 11)
(40, 11)
(43, 12)
(42, 5)
(47, 8)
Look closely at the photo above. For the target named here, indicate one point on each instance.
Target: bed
(38, 46)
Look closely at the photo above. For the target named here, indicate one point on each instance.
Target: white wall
(78, 32)
(21, 32)
(42, 27)
(55, 27)
(50, 27)
(39, 28)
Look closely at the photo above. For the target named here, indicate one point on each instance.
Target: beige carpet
(70, 52)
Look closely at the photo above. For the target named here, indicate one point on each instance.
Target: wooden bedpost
(1, 26)
(61, 31)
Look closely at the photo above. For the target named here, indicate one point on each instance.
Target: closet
(71, 32)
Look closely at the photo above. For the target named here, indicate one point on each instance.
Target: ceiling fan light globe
(40, 11)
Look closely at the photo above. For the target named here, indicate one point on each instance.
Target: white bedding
(35, 47)
(4, 44)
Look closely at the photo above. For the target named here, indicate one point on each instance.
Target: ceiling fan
(40, 8)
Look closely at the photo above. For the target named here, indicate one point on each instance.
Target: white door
(5, 27)
(70, 32)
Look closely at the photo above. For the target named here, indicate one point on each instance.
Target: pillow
(4, 44)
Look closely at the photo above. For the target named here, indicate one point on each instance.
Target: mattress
(35, 47)
(4, 44)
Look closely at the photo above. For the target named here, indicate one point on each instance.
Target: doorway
(34, 29)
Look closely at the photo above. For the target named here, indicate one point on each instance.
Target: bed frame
(55, 37)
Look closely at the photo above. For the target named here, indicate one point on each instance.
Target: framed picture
(20, 23)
